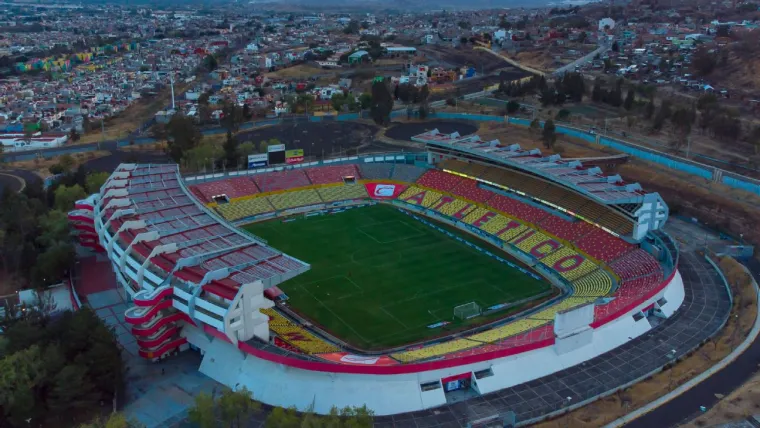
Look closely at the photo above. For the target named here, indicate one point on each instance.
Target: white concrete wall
(280, 385)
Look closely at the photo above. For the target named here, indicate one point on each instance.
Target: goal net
(466, 311)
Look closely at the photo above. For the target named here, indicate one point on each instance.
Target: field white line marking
(336, 316)
(382, 308)
(352, 282)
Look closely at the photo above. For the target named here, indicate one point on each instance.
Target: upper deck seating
(439, 180)
(407, 173)
(469, 189)
(281, 180)
(602, 246)
(376, 171)
(232, 187)
(517, 209)
(332, 173)
(635, 264)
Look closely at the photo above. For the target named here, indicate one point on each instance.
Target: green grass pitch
(378, 277)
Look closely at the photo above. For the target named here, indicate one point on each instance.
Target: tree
(282, 418)
(337, 101)
(53, 264)
(210, 63)
(182, 135)
(703, 61)
(115, 420)
(512, 107)
(66, 196)
(351, 28)
(463, 40)
(203, 155)
(615, 46)
(230, 147)
(66, 162)
(464, 25)
(382, 102)
(95, 181)
(232, 116)
(365, 100)
(649, 109)
(535, 125)
(22, 374)
(629, 98)
(663, 114)
(72, 390)
(203, 411)
(245, 149)
(54, 227)
(237, 407)
(549, 135)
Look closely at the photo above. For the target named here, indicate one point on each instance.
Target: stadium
(400, 281)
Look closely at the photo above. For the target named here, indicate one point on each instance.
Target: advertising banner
(293, 156)
(276, 148)
(256, 161)
(359, 360)
(384, 190)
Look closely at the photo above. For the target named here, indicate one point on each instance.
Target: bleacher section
(245, 208)
(603, 246)
(297, 198)
(407, 173)
(469, 189)
(234, 188)
(331, 174)
(493, 335)
(415, 195)
(343, 192)
(439, 180)
(281, 180)
(543, 190)
(297, 336)
(376, 171)
(572, 248)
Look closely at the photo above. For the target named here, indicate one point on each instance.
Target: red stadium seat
(331, 174)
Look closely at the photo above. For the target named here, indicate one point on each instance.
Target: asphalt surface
(687, 406)
(405, 131)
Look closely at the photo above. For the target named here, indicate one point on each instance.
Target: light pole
(567, 415)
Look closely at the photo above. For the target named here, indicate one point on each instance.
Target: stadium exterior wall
(286, 381)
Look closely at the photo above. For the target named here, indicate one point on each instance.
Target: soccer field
(378, 277)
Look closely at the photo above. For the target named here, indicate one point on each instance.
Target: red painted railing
(143, 317)
(149, 331)
(161, 350)
(156, 341)
(142, 300)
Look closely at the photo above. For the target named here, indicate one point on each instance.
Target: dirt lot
(448, 57)
(316, 138)
(40, 166)
(119, 126)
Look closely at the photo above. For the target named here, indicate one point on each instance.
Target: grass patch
(379, 277)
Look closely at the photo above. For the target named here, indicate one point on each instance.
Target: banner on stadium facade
(359, 360)
(384, 190)
(276, 148)
(293, 156)
(256, 161)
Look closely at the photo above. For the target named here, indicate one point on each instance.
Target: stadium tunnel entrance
(459, 387)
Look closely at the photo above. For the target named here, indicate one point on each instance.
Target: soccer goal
(466, 311)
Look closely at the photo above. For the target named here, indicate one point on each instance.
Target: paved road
(686, 406)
